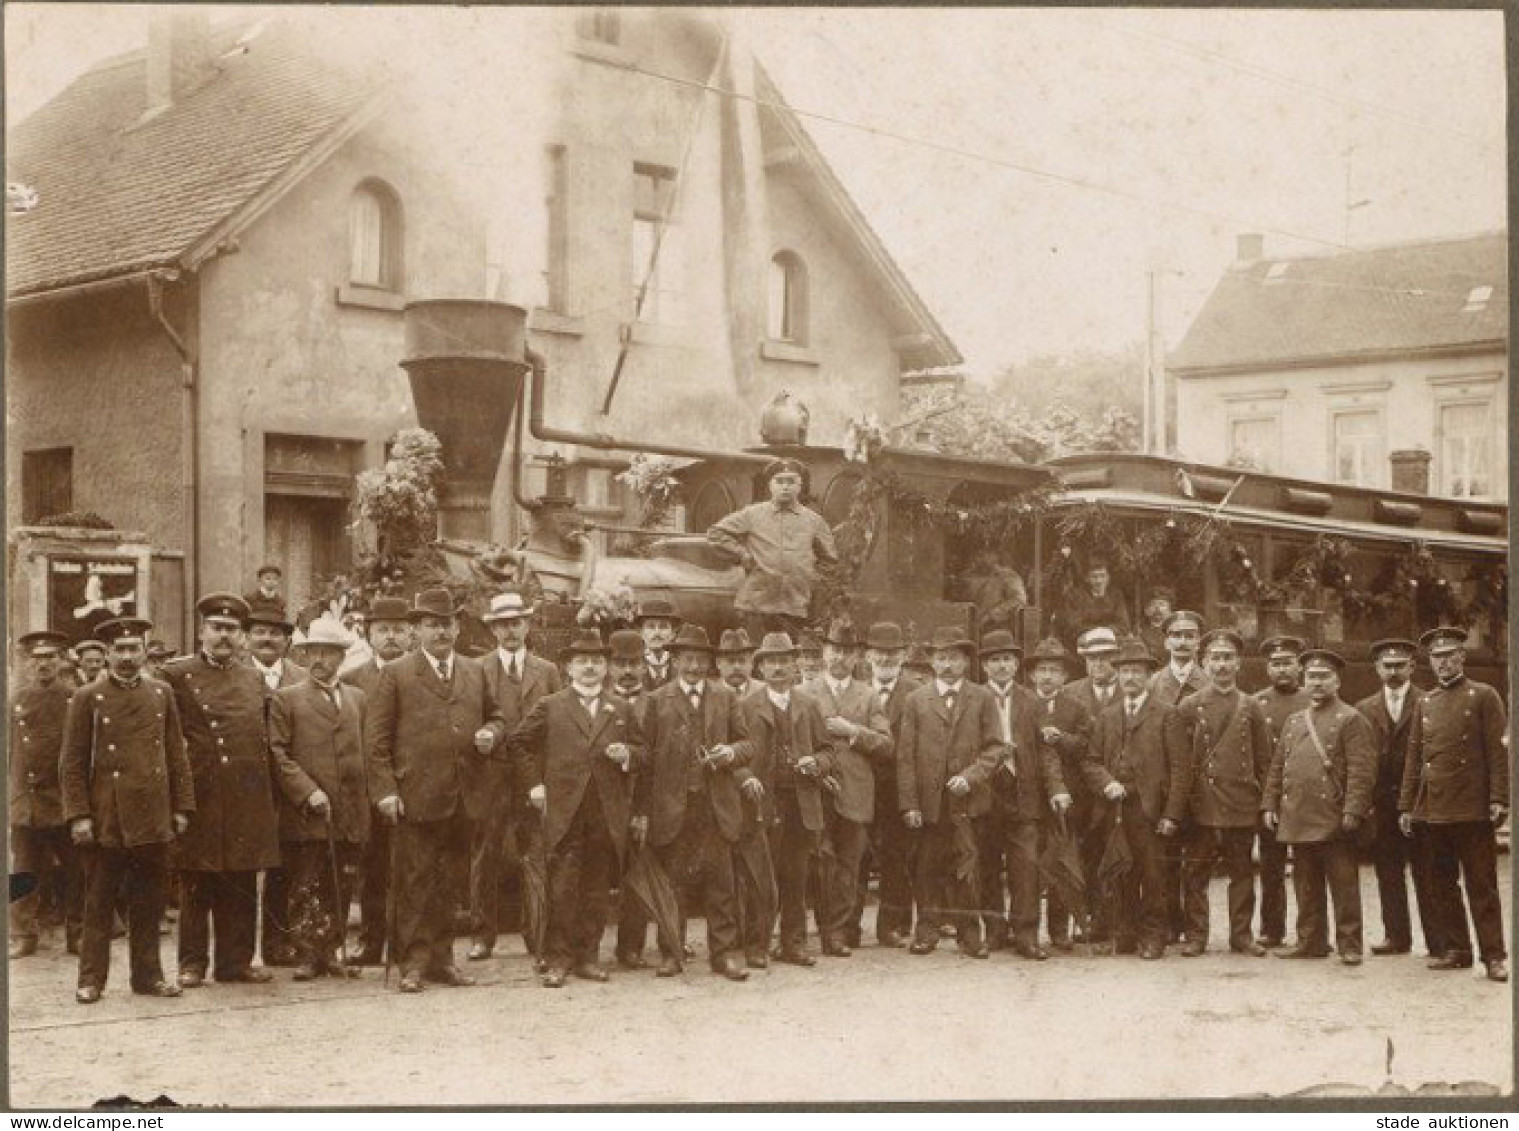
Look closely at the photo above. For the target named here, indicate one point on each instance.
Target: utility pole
(1351, 203)
(1156, 410)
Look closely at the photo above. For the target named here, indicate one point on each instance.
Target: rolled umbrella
(535, 903)
(1117, 858)
(655, 891)
(1060, 864)
(754, 855)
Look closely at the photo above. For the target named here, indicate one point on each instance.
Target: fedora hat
(656, 608)
(389, 609)
(1096, 642)
(433, 603)
(1133, 650)
(734, 642)
(325, 632)
(625, 644)
(692, 638)
(775, 644)
(886, 636)
(950, 636)
(508, 606)
(1049, 651)
(842, 635)
(587, 642)
(998, 643)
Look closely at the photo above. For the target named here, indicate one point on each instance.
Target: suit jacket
(853, 759)
(1217, 778)
(1075, 725)
(886, 768)
(421, 737)
(1084, 693)
(291, 674)
(502, 781)
(565, 751)
(675, 736)
(1457, 764)
(1391, 742)
(366, 678)
(774, 759)
(936, 745)
(123, 762)
(653, 681)
(319, 746)
(1030, 773)
(1164, 685)
(36, 738)
(1132, 752)
(1310, 797)
(224, 713)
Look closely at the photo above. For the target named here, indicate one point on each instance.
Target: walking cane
(339, 909)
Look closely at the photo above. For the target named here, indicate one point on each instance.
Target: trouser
(792, 848)
(487, 852)
(138, 873)
(1202, 847)
(1467, 850)
(432, 858)
(838, 910)
(946, 881)
(47, 852)
(1170, 867)
(756, 908)
(1137, 910)
(1007, 866)
(1321, 871)
(580, 872)
(1077, 820)
(374, 887)
(1273, 857)
(225, 903)
(1394, 856)
(700, 864)
(893, 845)
(318, 898)
(275, 943)
(525, 832)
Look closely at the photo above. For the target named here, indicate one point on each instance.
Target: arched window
(788, 299)
(374, 237)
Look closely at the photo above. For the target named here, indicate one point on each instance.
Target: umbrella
(1060, 864)
(535, 903)
(754, 854)
(1117, 858)
(652, 887)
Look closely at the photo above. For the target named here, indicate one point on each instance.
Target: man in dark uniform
(1455, 783)
(1317, 797)
(1219, 747)
(1179, 677)
(1284, 698)
(657, 623)
(431, 718)
(235, 834)
(1063, 727)
(127, 792)
(389, 635)
(1390, 711)
(891, 842)
(40, 843)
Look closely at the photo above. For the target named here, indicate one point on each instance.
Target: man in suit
(1455, 783)
(517, 679)
(40, 843)
(1283, 699)
(1219, 747)
(951, 741)
(389, 635)
(583, 747)
(431, 722)
(1390, 711)
(891, 841)
(1151, 629)
(127, 793)
(1095, 605)
(1098, 689)
(657, 623)
(222, 706)
(1318, 795)
(1126, 767)
(858, 737)
(735, 662)
(687, 804)
(316, 734)
(1063, 727)
(1181, 676)
(783, 781)
(1026, 786)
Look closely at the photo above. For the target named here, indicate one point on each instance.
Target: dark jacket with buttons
(37, 715)
(1217, 778)
(222, 710)
(1310, 792)
(1457, 764)
(123, 763)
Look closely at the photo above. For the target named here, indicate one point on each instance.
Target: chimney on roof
(179, 57)
(1249, 246)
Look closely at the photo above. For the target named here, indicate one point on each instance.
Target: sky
(1032, 169)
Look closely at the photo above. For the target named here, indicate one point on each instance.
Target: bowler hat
(1133, 650)
(774, 644)
(42, 643)
(507, 606)
(1394, 649)
(1182, 615)
(885, 636)
(1275, 646)
(226, 606)
(388, 609)
(1222, 636)
(433, 603)
(692, 638)
(586, 642)
(656, 608)
(842, 635)
(625, 644)
(734, 642)
(949, 636)
(999, 642)
(1049, 651)
(1446, 638)
(1322, 656)
(123, 628)
(1096, 642)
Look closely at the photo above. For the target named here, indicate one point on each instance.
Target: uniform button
(116, 773)
(111, 746)
(104, 719)
(26, 738)
(221, 742)
(224, 759)
(213, 724)
(100, 698)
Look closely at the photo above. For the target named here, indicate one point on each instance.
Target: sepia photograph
(819, 557)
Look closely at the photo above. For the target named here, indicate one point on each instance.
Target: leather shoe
(367, 956)
(668, 968)
(591, 972)
(159, 989)
(306, 972)
(248, 974)
(411, 983)
(1454, 960)
(1063, 945)
(894, 939)
(1151, 952)
(1193, 949)
(632, 961)
(975, 950)
(836, 949)
(1351, 958)
(1303, 952)
(450, 976)
(1270, 942)
(71, 945)
(1497, 970)
(1252, 949)
(23, 947)
(1382, 948)
(479, 952)
(757, 961)
(87, 995)
(796, 957)
(731, 970)
(191, 979)
(922, 946)
(1030, 950)
(552, 978)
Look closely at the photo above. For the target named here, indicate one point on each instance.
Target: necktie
(949, 702)
(1133, 708)
(883, 693)
(695, 697)
(514, 671)
(589, 704)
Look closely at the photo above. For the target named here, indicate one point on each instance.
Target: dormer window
(1477, 300)
(375, 237)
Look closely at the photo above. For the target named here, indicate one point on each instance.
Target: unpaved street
(877, 1026)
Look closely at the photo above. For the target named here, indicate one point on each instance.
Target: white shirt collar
(948, 688)
(690, 689)
(517, 656)
(781, 699)
(1183, 673)
(1000, 691)
(267, 669)
(838, 687)
(444, 668)
(1137, 702)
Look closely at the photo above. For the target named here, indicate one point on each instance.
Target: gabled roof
(1410, 298)
(117, 195)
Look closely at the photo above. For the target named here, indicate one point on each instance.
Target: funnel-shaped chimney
(466, 359)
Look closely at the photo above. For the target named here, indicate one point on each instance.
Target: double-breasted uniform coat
(40, 840)
(1273, 854)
